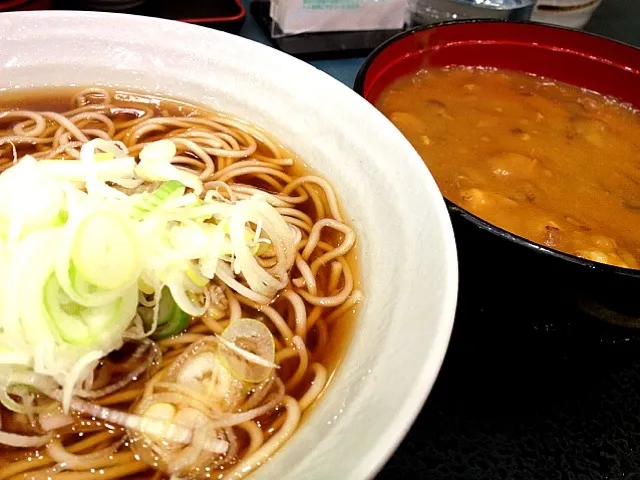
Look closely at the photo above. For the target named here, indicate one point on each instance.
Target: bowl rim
(455, 209)
(367, 465)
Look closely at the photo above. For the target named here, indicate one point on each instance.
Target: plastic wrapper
(293, 17)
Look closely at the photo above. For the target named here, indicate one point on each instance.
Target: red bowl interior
(574, 57)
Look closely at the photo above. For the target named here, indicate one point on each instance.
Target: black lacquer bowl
(498, 268)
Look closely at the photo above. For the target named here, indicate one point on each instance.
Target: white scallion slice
(247, 349)
(104, 251)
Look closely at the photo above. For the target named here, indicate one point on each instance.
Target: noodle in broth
(309, 318)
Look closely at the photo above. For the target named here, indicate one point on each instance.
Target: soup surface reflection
(548, 161)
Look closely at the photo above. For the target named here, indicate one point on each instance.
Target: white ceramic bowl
(407, 250)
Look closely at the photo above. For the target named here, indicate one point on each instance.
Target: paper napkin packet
(304, 16)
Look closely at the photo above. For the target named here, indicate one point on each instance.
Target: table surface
(511, 401)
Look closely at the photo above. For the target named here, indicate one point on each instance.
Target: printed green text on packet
(330, 4)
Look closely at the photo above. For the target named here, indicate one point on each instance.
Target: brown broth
(59, 100)
(545, 160)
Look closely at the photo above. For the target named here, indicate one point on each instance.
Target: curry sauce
(548, 161)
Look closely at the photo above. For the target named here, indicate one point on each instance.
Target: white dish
(566, 13)
(407, 250)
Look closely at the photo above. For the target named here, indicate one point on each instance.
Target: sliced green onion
(204, 373)
(76, 258)
(78, 324)
(247, 350)
(104, 156)
(67, 321)
(155, 165)
(105, 251)
(167, 191)
(171, 320)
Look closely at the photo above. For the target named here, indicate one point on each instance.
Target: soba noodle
(234, 160)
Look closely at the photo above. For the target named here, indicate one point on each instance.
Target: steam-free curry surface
(544, 160)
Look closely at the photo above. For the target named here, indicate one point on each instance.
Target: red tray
(225, 15)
